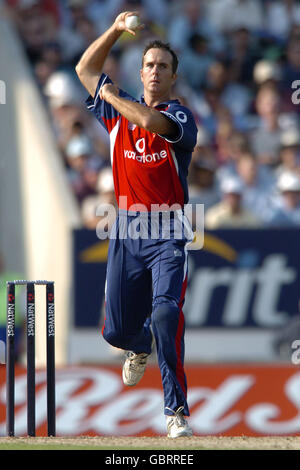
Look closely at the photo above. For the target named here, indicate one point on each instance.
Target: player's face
(156, 74)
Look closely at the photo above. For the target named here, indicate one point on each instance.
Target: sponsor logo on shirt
(141, 156)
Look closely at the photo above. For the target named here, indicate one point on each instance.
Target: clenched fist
(108, 90)
(120, 22)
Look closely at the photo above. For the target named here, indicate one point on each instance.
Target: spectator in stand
(237, 145)
(73, 40)
(258, 184)
(63, 97)
(99, 211)
(290, 152)
(42, 72)
(81, 162)
(101, 12)
(87, 31)
(195, 61)
(219, 94)
(230, 213)
(204, 147)
(285, 211)
(203, 188)
(291, 74)
(295, 30)
(243, 55)
(158, 11)
(51, 60)
(66, 110)
(228, 15)
(51, 53)
(155, 11)
(221, 91)
(224, 131)
(266, 72)
(191, 19)
(77, 10)
(40, 22)
(36, 25)
(280, 16)
(91, 175)
(265, 139)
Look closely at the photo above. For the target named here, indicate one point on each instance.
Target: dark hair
(156, 44)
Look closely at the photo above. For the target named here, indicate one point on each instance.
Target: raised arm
(90, 66)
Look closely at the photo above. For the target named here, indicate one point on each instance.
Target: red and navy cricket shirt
(147, 168)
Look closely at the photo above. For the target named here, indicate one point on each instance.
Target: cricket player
(151, 146)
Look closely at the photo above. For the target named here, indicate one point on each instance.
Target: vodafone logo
(140, 145)
(141, 156)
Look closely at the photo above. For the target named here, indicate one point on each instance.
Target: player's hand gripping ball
(132, 22)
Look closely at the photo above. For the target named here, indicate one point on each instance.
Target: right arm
(90, 66)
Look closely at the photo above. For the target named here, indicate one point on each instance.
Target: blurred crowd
(239, 73)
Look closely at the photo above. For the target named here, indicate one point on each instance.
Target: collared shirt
(148, 169)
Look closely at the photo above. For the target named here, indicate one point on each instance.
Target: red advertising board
(229, 400)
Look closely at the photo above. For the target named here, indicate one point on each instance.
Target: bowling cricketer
(151, 143)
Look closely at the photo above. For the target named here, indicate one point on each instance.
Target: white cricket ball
(132, 22)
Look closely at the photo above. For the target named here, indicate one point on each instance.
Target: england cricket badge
(131, 126)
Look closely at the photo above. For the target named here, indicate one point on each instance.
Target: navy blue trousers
(146, 283)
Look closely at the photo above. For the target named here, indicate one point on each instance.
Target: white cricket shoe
(134, 367)
(177, 425)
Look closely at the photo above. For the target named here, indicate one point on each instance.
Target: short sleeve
(187, 129)
(104, 112)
